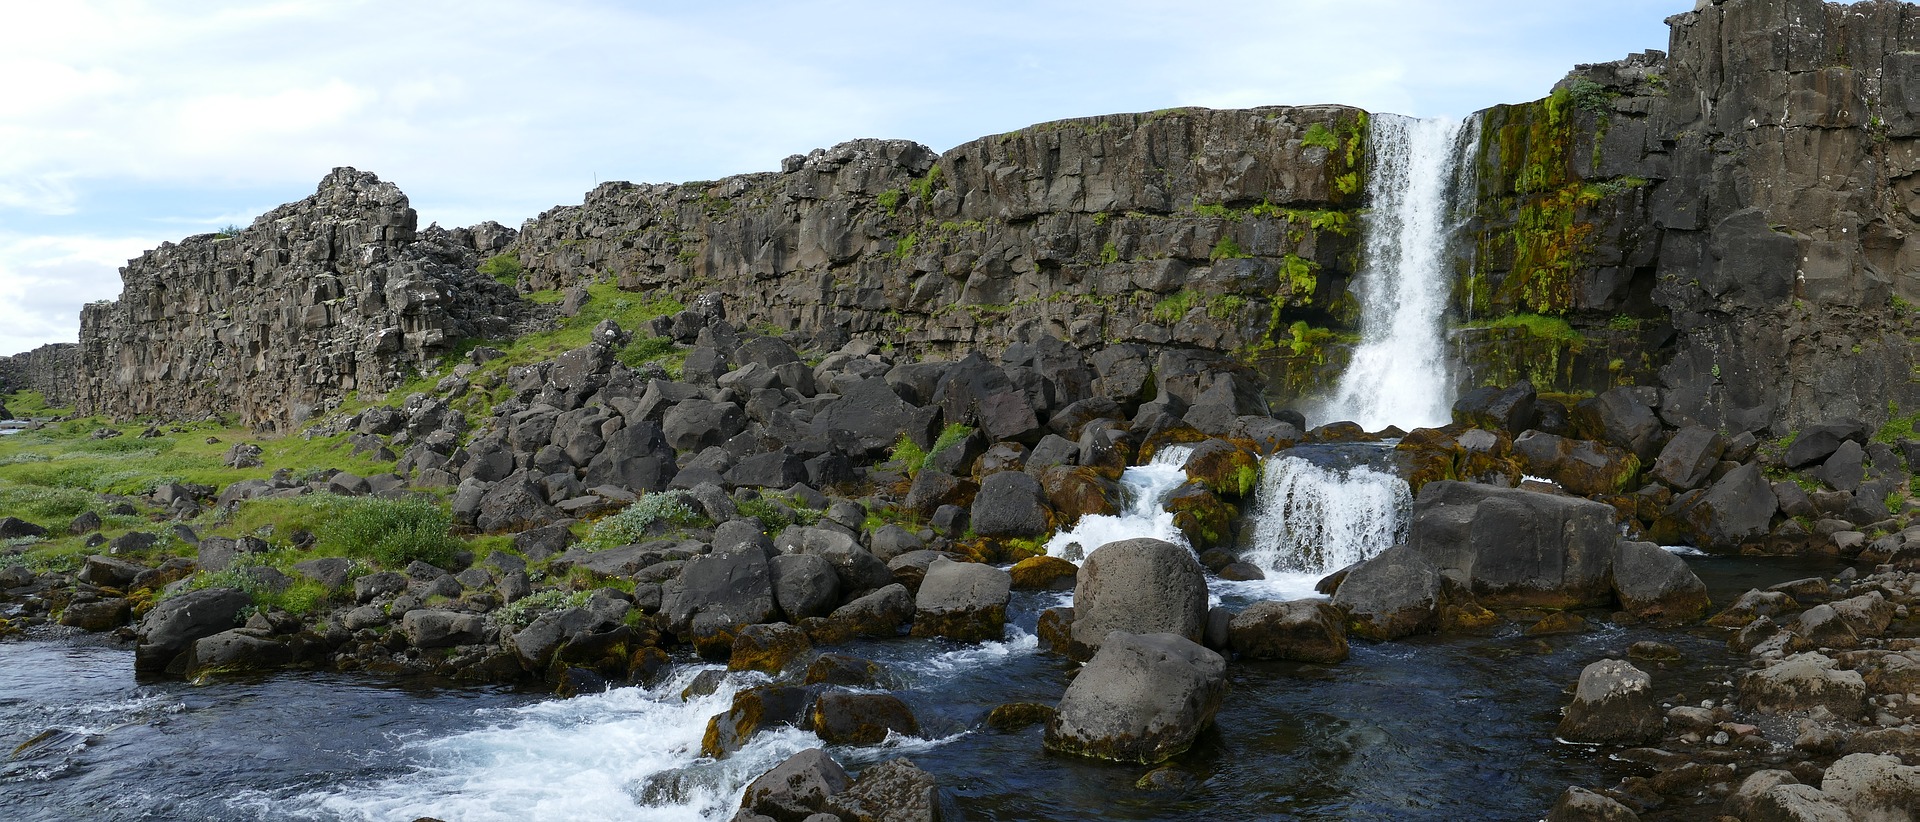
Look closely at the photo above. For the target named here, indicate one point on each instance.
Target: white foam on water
(627, 754)
(1685, 551)
(972, 658)
(1279, 585)
(1146, 515)
(1401, 372)
(1310, 520)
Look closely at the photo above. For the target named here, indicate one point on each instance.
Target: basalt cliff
(1731, 221)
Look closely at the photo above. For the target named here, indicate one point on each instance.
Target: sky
(124, 124)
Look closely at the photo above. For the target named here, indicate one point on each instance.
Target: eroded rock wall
(1732, 220)
(53, 370)
(318, 298)
(1191, 228)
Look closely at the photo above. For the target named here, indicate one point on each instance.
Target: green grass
(503, 268)
(908, 454)
(1898, 427)
(32, 404)
(1173, 308)
(1319, 135)
(1228, 249)
(390, 532)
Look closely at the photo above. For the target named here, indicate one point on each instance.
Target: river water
(1422, 729)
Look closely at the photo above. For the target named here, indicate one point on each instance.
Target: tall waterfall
(1400, 374)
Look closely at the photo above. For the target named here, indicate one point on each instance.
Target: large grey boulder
(1803, 682)
(1795, 803)
(636, 458)
(859, 569)
(962, 600)
(1516, 547)
(1652, 583)
(846, 718)
(1614, 702)
(1142, 698)
(797, 788)
(515, 504)
(1393, 595)
(1620, 417)
(1735, 510)
(535, 644)
(804, 586)
(878, 614)
(1689, 457)
(428, 628)
(239, 649)
(1582, 805)
(1139, 586)
(876, 417)
(893, 791)
(172, 627)
(1010, 504)
(1302, 631)
(696, 424)
(1874, 787)
(715, 594)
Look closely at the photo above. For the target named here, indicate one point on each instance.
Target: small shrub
(630, 524)
(390, 532)
(950, 436)
(774, 516)
(909, 454)
(890, 200)
(522, 612)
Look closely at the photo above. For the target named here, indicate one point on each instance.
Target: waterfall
(1400, 374)
(1316, 516)
(1147, 487)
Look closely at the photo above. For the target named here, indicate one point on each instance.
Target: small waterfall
(1146, 487)
(1320, 508)
(1400, 374)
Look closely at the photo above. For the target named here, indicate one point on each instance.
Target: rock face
(1739, 278)
(1142, 698)
(171, 628)
(1770, 255)
(50, 369)
(337, 292)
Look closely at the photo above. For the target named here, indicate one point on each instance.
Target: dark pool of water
(1429, 728)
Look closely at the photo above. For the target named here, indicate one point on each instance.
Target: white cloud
(45, 280)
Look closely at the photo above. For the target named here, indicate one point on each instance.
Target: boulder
(876, 417)
(171, 628)
(962, 600)
(516, 503)
(1795, 803)
(535, 644)
(1874, 787)
(1582, 805)
(695, 424)
(1689, 457)
(1508, 409)
(427, 628)
(1010, 504)
(1142, 699)
(1622, 418)
(797, 788)
(635, 458)
(240, 649)
(1584, 467)
(109, 572)
(1393, 595)
(1735, 510)
(859, 569)
(1803, 682)
(1301, 631)
(1815, 443)
(879, 614)
(843, 718)
(804, 586)
(1517, 547)
(843, 669)
(1614, 703)
(96, 616)
(1044, 573)
(753, 709)
(1138, 586)
(768, 648)
(1653, 583)
(893, 791)
(16, 528)
(715, 595)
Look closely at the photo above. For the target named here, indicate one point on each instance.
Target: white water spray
(1312, 519)
(1400, 374)
(1146, 515)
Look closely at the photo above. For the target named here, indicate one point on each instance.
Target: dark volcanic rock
(1142, 698)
